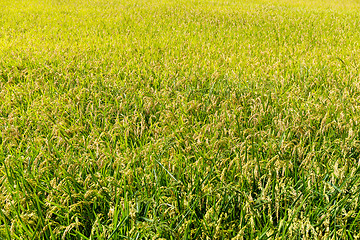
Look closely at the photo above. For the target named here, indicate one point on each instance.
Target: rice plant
(191, 119)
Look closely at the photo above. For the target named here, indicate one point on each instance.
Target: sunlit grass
(179, 120)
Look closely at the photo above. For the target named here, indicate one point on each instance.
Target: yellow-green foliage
(179, 119)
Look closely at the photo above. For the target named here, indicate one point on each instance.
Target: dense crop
(179, 119)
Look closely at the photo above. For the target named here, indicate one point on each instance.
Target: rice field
(188, 119)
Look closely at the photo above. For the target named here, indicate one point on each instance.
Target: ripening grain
(191, 119)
